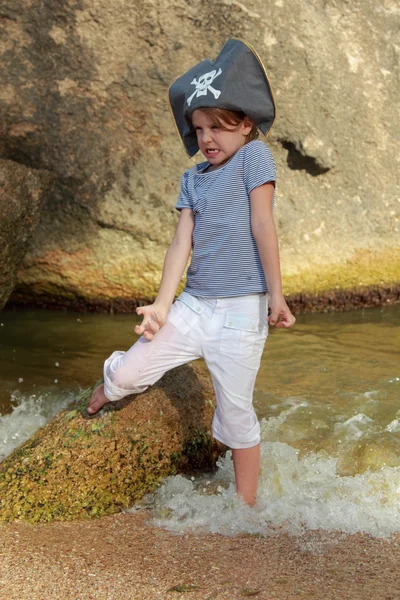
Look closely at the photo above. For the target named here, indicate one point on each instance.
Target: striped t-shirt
(225, 260)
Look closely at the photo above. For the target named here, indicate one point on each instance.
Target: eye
(214, 127)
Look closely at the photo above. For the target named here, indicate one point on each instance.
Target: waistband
(199, 303)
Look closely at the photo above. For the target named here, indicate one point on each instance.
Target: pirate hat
(235, 80)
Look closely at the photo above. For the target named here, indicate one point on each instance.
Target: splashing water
(295, 494)
(28, 414)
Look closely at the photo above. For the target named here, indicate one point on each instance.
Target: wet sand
(123, 557)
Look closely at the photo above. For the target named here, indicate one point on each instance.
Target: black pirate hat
(235, 80)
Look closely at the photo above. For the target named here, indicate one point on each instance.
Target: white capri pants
(229, 333)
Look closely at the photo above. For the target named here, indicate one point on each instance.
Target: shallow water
(327, 395)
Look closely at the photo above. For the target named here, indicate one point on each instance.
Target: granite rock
(84, 96)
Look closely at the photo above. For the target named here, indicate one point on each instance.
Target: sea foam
(295, 494)
(28, 414)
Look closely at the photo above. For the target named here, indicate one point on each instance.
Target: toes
(97, 401)
(92, 409)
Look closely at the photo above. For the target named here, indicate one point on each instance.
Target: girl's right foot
(97, 400)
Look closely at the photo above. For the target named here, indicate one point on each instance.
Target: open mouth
(212, 151)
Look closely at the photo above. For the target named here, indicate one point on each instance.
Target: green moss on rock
(80, 467)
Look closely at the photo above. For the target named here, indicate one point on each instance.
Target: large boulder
(81, 467)
(84, 95)
(22, 194)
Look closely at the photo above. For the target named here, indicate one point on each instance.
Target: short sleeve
(259, 165)
(184, 199)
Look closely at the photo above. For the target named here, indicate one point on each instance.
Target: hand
(280, 313)
(154, 317)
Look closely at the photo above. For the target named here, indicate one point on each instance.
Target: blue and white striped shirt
(225, 260)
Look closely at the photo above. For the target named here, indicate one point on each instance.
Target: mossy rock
(79, 466)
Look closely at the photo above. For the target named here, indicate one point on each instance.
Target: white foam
(295, 494)
(354, 427)
(273, 423)
(28, 414)
(394, 426)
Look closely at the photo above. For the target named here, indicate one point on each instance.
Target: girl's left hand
(280, 313)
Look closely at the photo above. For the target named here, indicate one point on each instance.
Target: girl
(226, 218)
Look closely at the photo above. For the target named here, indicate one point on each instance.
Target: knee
(119, 380)
(239, 429)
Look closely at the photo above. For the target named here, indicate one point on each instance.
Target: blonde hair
(221, 117)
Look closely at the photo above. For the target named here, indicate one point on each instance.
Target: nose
(206, 136)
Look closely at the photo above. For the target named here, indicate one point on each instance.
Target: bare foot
(97, 400)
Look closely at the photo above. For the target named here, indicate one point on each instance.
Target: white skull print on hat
(203, 84)
(235, 80)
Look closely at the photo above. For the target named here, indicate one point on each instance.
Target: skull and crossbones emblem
(203, 84)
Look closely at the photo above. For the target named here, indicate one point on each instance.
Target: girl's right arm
(176, 258)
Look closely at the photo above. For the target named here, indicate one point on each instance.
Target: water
(29, 412)
(46, 357)
(295, 494)
(327, 396)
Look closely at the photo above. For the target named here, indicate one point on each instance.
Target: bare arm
(264, 231)
(176, 258)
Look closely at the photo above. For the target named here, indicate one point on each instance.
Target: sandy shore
(122, 557)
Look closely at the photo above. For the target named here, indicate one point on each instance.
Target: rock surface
(81, 467)
(22, 193)
(84, 95)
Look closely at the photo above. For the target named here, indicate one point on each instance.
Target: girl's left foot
(97, 400)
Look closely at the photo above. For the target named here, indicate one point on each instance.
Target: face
(216, 144)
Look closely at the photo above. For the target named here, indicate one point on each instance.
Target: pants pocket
(242, 335)
(185, 312)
